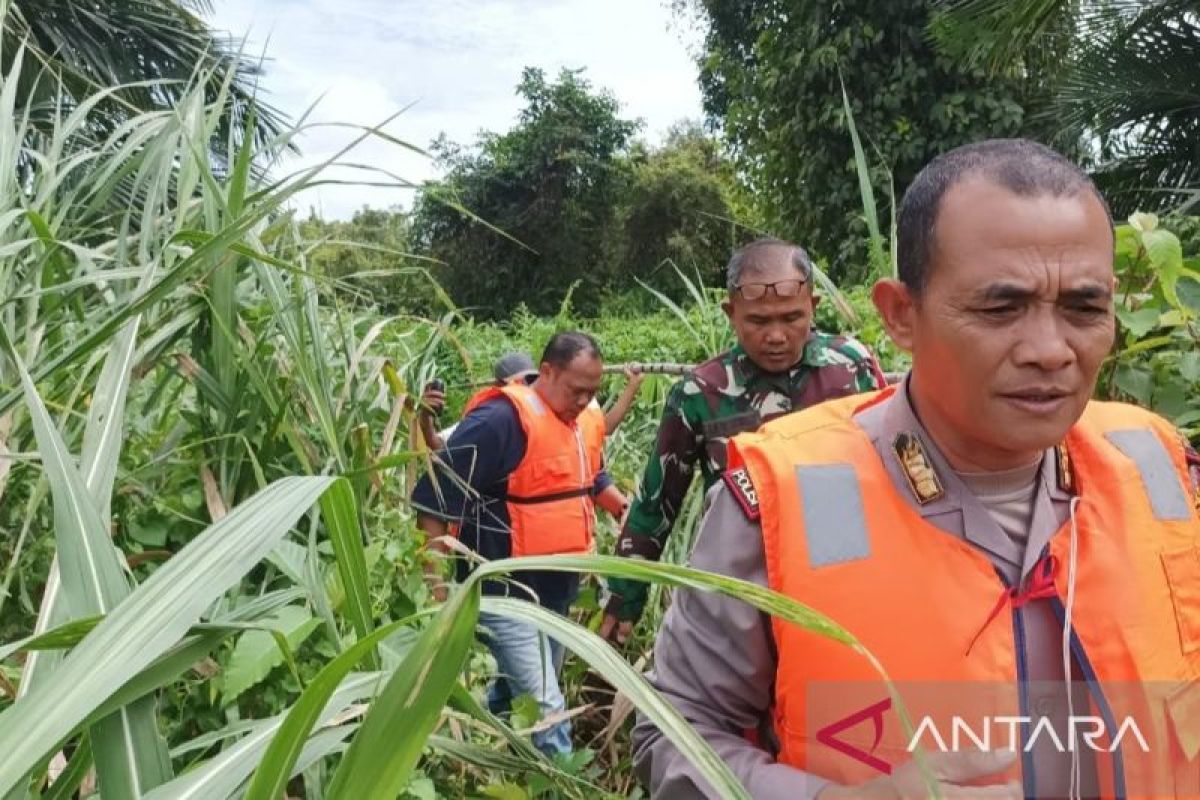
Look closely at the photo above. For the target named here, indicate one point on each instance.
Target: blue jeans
(528, 663)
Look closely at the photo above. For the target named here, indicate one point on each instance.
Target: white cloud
(459, 61)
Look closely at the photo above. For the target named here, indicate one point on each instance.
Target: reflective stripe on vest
(549, 500)
(833, 514)
(1159, 479)
(839, 537)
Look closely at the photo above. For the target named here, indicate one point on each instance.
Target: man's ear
(816, 300)
(727, 307)
(898, 310)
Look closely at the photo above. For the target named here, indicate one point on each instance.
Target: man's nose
(1044, 341)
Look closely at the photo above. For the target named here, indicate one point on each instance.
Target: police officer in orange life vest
(520, 476)
(1006, 547)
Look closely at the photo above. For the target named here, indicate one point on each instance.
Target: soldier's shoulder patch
(743, 491)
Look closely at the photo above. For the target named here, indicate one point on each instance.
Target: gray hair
(752, 256)
(1024, 167)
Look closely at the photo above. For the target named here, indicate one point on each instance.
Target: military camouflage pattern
(723, 397)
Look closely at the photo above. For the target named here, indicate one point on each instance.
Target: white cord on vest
(1066, 653)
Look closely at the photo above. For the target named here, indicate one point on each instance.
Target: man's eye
(999, 311)
(1088, 310)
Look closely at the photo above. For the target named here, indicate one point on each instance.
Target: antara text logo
(986, 733)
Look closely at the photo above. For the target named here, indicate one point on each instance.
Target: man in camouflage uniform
(780, 364)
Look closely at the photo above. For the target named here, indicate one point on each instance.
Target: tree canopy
(771, 75)
(568, 197)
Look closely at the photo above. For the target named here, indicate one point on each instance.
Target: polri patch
(743, 491)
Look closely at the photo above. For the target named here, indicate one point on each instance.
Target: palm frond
(151, 48)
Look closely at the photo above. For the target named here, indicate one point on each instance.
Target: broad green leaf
(504, 791)
(1188, 291)
(1166, 259)
(1139, 322)
(290, 558)
(257, 652)
(152, 619)
(1128, 245)
(421, 788)
(102, 436)
(381, 758)
(1137, 382)
(674, 575)
(1189, 367)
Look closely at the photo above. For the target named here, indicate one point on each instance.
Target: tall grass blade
(381, 758)
(130, 754)
(151, 620)
(222, 776)
(608, 662)
(340, 513)
(270, 779)
(875, 242)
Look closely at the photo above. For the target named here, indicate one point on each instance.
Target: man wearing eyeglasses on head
(780, 364)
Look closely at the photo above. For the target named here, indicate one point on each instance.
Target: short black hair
(1024, 167)
(565, 346)
(751, 255)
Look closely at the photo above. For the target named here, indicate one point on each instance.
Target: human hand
(615, 631)
(433, 399)
(634, 376)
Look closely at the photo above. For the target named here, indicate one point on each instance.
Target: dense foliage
(210, 577)
(568, 198)
(1126, 83)
(772, 72)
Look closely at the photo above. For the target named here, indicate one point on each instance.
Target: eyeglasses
(788, 288)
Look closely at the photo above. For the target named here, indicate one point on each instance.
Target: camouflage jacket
(722, 397)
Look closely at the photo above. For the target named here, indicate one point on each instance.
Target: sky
(454, 64)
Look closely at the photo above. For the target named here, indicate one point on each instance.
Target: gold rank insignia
(922, 478)
(1066, 475)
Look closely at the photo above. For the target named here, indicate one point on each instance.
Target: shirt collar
(747, 370)
(901, 416)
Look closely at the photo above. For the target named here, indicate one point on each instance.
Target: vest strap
(549, 498)
(1159, 477)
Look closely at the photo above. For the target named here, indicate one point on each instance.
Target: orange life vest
(479, 398)
(839, 537)
(550, 503)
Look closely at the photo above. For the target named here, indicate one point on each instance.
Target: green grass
(214, 584)
(206, 450)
